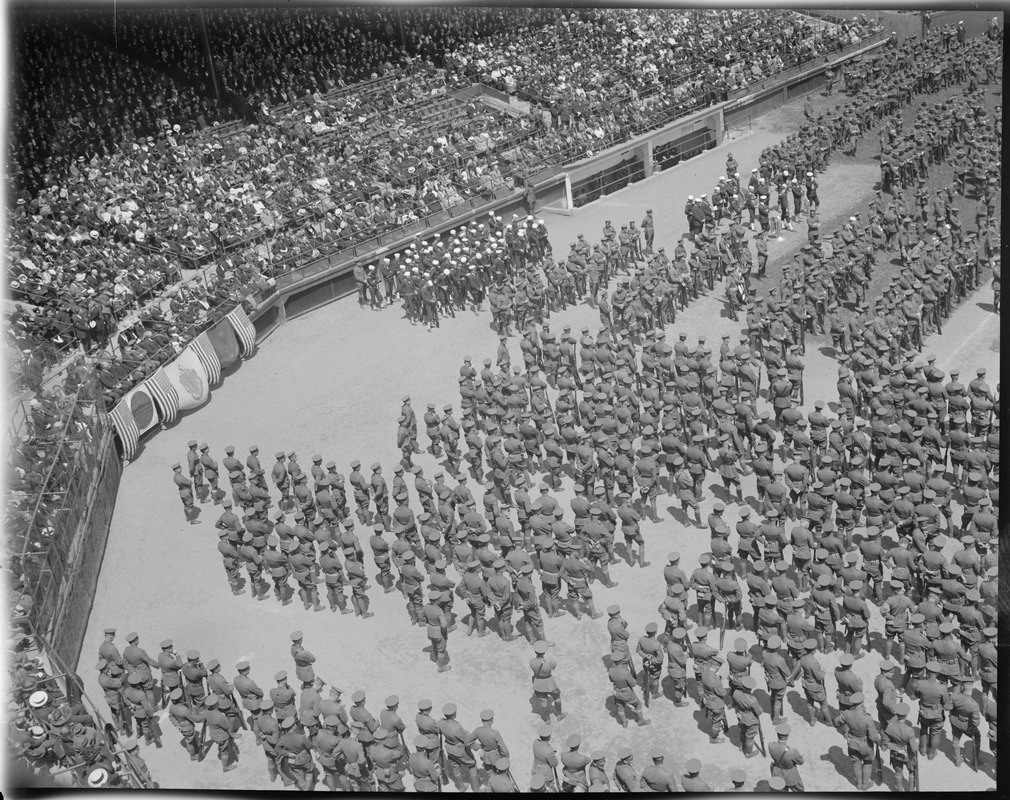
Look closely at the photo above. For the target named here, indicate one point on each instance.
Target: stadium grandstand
(172, 170)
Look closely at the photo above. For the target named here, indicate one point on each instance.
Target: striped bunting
(165, 394)
(226, 345)
(126, 427)
(204, 350)
(243, 329)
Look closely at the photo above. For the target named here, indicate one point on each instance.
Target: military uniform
(219, 731)
(934, 703)
(545, 759)
(458, 744)
(185, 487)
(785, 760)
(862, 738)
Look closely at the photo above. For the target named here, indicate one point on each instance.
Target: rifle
(722, 627)
(155, 730)
(147, 782)
(976, 742)
(126, 714)
(370, 771)
(238, 708)
(203, 749)
(878, 765)
(761, 738)
(111, 739)
(186, 697)
(557, 784)
(516, 785)
(443, 774)
(913, 772)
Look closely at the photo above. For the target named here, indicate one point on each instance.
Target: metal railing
(57, 536)
(73, 438)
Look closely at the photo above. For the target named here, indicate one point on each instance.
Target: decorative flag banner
(133, 416)
(222, 337)
(165, 395)
(243, 329)
(145, 412)
(205, 352)
(189, 378)
(126, 427)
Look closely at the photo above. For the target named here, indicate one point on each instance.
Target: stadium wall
(87, 553)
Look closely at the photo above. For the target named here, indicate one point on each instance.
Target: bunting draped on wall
(185, 382)
(164, 393)
(189, 378)
(222, 338)
(244, 329)
(134, 415)
(204, 350)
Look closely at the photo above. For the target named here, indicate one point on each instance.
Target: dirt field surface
(331, 383)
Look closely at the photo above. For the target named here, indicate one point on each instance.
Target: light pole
(210, 57)
(399, 27)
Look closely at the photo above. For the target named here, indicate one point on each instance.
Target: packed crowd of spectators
(275, 56)
(673, 55)
(91, 80)
(688, 59)
(72, 99)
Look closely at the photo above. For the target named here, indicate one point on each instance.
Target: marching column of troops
(885, 470)
(825, 287)
(510, 264)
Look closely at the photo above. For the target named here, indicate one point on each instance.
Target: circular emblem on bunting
(143, 409)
